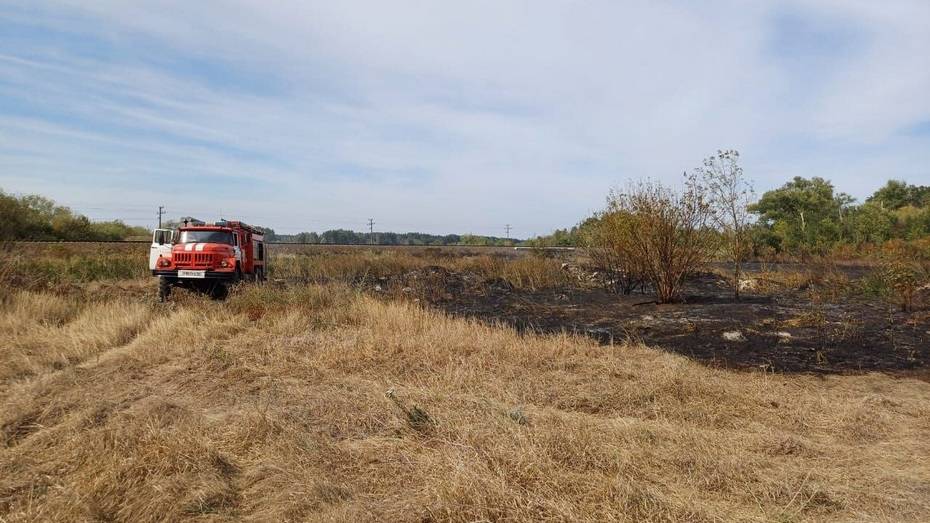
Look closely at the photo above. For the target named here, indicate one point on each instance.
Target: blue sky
(447, 116)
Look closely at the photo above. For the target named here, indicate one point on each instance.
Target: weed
(416, 417)
(517, 415)
(903, 280)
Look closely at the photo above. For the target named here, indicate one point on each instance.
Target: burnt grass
(812, 329)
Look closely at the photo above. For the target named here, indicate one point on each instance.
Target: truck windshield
(206, 237)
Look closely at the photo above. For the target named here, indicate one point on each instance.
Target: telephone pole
(507, 228)
(161, 211)
(371, 231)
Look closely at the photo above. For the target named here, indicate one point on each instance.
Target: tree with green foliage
(804, 214)
(868, 223)
(34, 217)
(117, 230)
(911, 223)
(478, 241)
(305, 237)
(345, 236)
(564, 237)
(20, 221)
(897, 194)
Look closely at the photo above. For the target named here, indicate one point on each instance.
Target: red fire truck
(207, 257)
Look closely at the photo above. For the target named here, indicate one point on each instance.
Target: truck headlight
(224, 264)
(163, 262)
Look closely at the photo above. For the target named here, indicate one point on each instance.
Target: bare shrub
(728, 193)
(608, 243)
(667, 232)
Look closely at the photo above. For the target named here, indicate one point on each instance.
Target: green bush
(34, 217)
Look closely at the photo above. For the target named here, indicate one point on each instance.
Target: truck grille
(194, 259)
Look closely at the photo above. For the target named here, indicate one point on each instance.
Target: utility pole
(371, 231)
(161, 211)
(507, 228)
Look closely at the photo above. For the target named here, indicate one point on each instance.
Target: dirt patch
(786, 330)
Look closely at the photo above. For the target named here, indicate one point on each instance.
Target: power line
(371, 231)
(161, 211)
(507, 228)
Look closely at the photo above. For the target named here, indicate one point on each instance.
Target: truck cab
(162, 240)
(209, 257)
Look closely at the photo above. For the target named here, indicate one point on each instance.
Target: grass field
(309, 399)
(45, 265)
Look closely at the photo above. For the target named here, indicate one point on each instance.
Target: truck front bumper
(207, 274)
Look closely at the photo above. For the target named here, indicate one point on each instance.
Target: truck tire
(219, 291)
(164, 289)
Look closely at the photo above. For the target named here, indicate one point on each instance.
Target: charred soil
(813, 327)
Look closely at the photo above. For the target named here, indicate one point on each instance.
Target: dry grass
(359, 266)
(43, 331)
(273, 407)
(822, 276)
(53, 266)
(47, 265)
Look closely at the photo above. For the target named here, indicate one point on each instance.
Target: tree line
(33, 217)
(349, 237)
(809, 216)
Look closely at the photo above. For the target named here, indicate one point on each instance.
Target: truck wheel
(219, 291)
(164, 289)
(260, 275)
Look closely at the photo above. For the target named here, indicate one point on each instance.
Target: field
(444, 384)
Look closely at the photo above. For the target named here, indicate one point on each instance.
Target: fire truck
(207, 257)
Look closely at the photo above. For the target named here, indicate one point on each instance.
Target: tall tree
(898, 193)
(804, 213)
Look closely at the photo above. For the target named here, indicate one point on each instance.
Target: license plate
(192, 274)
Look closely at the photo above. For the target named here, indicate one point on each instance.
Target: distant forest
(33, 217)
(347, 237)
